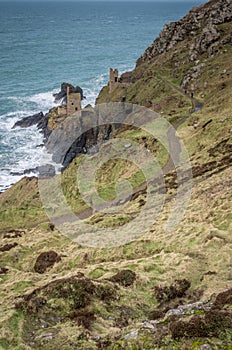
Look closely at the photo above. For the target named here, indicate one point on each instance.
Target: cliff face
(76, 135)
(187, 53)
(200, 23)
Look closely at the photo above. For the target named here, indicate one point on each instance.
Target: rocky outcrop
(191, 75)
(216, 319)
(200, 25)
(46, 123)
(126, 78)
(38, 119)
(61, 96)
(201, 319)
(58, 131)
(26, 122)
(205, 42)
(78, 135)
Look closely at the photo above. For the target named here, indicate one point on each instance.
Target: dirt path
(195, 102)
(174, 144)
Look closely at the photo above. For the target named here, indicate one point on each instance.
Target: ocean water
(43, 44)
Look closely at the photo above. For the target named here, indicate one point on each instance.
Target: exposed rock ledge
(201, 21)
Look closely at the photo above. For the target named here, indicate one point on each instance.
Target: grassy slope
(201, 243)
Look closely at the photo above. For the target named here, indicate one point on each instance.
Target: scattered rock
(216, 319)
(125, 278)
(46, 260)
(47, 336)
(212, 324)
(132, 335)
(196, 125)
(191, 75)
(205, 347)
(8, 247)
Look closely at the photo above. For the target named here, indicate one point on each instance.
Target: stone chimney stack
(114, 81)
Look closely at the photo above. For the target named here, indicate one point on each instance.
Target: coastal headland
(157, 291)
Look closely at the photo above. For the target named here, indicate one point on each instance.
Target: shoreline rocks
(29, 121)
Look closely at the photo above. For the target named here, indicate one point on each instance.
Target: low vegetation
(161, 290)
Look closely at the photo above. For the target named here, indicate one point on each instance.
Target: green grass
(14, 323)
(4, 343)
(20, 287)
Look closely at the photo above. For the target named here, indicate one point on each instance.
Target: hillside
(160, 290)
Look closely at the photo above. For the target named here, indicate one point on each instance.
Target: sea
(45, 43)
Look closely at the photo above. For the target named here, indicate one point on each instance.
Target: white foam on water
(22, 144)
(41, 101)
(19, 146)
(92, 88)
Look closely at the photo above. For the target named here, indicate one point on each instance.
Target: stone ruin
(73, 104)
(115, 81)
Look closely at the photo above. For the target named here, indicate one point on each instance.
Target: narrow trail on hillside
(196, 103)
(174, 145)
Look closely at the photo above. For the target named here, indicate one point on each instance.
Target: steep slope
(161, 291)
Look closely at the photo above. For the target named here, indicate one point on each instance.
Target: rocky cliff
(199, 26)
